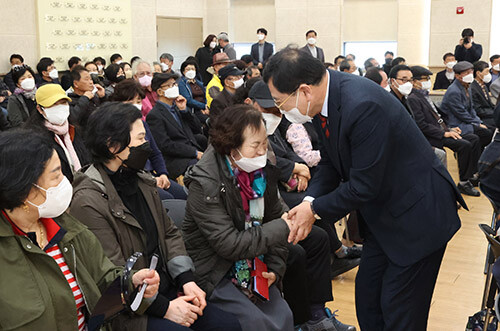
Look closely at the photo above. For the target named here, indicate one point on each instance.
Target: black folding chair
(494, 217)
(176, 210)
(490, 286)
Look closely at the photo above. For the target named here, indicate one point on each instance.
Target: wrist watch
(310, 200)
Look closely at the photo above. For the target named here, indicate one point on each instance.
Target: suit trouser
(468, 152)
(392, 297)
(485, 136)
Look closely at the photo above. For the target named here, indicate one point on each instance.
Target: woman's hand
(270, 276)
(191, 289)
(182, 312)
(181, 102)
(149, 277)
(163, 182)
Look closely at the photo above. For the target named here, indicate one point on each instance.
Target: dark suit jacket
(442, 82)
(177, 143)
(220, 103)
(268, 52)
(482, 104)
(472, 54)
(426, 121)
(320, 54)
(377, 161)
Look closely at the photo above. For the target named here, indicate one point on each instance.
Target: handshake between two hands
(300, 220)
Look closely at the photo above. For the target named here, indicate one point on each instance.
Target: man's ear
(248, 101)
(306, 90)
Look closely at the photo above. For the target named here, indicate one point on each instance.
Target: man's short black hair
(73, 60)
(16, 56)
(114, 57)
(76, 73)
(468, 32)
(109, 127)
(394, 71)
(43, 64)
(262, 30)
(311, 31)
(100, 59)
(368, 63)
(133, 59)
(345, 65)
(389, 53)
(291, 67)
(373, 74)
(338, 57)
(494, 57)
(23, 158)
(397, 61)
(247, 58)
(447, 55)
(479, 66)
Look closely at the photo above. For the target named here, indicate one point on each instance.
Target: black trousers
(307, 277)
(468, 151)
(485, 136)
(392, 297)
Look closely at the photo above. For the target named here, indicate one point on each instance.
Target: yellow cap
(48, 94)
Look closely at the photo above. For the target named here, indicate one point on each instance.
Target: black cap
(462, 66)
(229, 70)
(260, 93)
(160, 78)
(418, 72)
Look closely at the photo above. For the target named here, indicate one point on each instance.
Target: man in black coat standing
(261, 50)
(376, 161)
(467, 49)
(445, 77)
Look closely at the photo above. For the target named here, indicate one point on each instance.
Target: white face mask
(100, 67)
(426, 85)
(95, 73)
(213, 44)
(261, 36)
(119, 62)
(355, 72)
(468, 78)
(295, 116)
(311, 41)
(451, 64)
(28, 84)
(57, 114)
(388, 88)
(238, 83)
(272, 122)
(172, 92)
(164, 66)
(487, 78)
(15, 66)
(251, 164)
(57, 199)
(54, 74)
(94, 90)
(405, 89)
(496, 67)
(190, 74)
(138, 106)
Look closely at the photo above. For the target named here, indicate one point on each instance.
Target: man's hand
(452, 134)
(260, 66)
(468, 46)
(199, 155)
(191, 289)
(483, 126)
(182, 312)
(149, 277)
(302, 222)
(2, 99)
(205, 111)
(163, 182)
(457, 130)
(100, 91)
(181, 102)
(301, 170)
(270, 276)
(303, 182)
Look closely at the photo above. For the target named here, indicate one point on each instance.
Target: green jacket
(34, 292)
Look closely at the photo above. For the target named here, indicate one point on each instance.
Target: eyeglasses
(404, 80)
(286, 99)
(169, 86)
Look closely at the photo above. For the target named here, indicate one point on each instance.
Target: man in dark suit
(180, 142)
(467, 49)
(311, 48)
(445, 78)
(376, 161)
(231, 78)
(261, 50)
(434, 128)
(481, 94)
(400, 78)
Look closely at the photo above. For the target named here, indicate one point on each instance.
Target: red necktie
(324, 125)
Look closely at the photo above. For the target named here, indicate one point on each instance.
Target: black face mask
(138, 156)
(388, 60)
(120, 78)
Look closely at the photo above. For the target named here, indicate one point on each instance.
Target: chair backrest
(176, 210)
(490, 236)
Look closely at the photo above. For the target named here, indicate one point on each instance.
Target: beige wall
(446, 26)
(413, 31)
(369, 20)
(247, 16)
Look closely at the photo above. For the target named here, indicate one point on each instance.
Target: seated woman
(51, 280)
(51, 120)
(130, 91)
(114, 74)
(118, 201)
(22, 102)
(193, 90)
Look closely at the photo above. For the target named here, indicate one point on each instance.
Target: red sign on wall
(460, 10)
